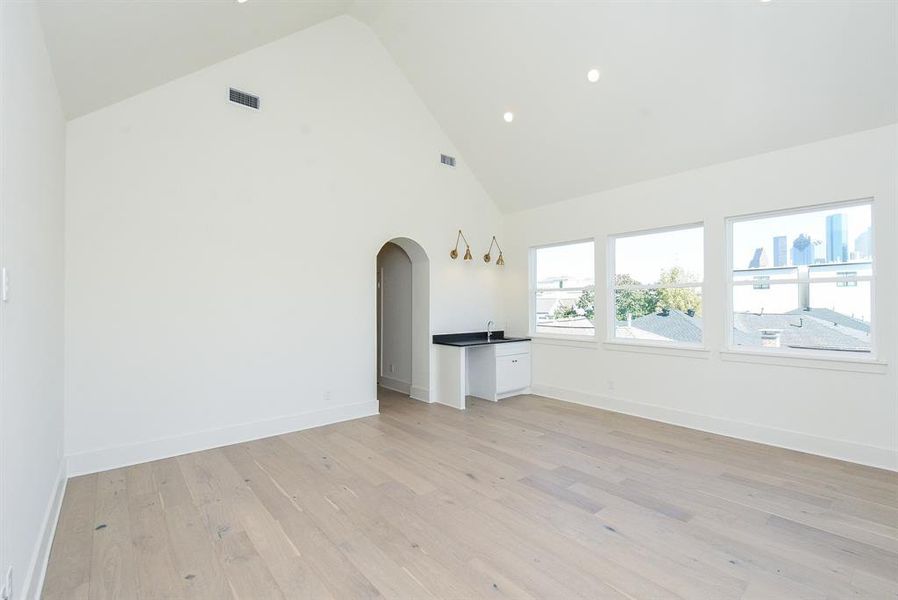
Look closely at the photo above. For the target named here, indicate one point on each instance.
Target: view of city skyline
(818, 237)
(791, 293)
(805, 246)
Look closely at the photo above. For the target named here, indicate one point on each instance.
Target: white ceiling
(683, 85)
(104, 51)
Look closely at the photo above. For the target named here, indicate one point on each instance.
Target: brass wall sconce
(453, 254)
(486, 257)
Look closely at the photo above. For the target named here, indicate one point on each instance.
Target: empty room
(448, 299)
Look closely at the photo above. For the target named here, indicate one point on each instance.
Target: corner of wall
(37, 569)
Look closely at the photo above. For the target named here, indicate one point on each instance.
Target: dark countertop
(465, 340)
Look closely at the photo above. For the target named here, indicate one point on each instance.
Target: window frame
(531, 319)
(804, 353)
(611, 338)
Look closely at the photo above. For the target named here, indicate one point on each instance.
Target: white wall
(32, 135)
(838, 413)
(395, 270)
(220, 271)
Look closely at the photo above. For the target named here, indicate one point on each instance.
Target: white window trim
(662, 348)
(804, 359)
(578, 339)
(651, 347)
(827, 359)
(574, 341)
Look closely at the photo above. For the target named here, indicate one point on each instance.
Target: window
(563, 289)
(803, 280)
(656, 286)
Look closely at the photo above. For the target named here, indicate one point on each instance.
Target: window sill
(688, 351)
(784, 359)
(572, 341)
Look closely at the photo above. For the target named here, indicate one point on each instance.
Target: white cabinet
(512, 373)
(499, 370)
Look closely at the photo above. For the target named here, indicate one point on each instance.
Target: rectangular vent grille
(447, 160)
(244, 99)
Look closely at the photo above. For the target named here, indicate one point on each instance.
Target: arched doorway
(403, 319)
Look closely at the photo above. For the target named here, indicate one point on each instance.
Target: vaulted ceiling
(104, 51)
(683, 84)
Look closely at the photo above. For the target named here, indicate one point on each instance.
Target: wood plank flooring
(527, 498)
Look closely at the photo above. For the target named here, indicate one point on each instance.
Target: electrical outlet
(392, 368)
(4, 285)
(6, 591)
(327, 396)
(610, 385)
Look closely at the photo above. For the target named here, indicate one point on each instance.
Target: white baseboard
(397, 385)
(132, 454)
(874, 456)
(420, 393)
(34, 578)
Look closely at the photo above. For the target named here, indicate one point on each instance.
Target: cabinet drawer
(512, 348)
(512, 372)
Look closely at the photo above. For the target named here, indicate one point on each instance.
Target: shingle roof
(831, 316)
(676, 326)
(799, 330)
(816, 328)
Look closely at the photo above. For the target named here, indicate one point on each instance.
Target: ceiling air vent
(245, 99)
(447, 160)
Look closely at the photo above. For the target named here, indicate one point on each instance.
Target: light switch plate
(4, 285)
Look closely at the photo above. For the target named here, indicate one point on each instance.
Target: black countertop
(464, 340)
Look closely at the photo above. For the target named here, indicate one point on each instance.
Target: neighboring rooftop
(675, 325)
(815, 328)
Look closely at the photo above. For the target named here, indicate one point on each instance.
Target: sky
(576, 261)
(749, 235)
(644, 256)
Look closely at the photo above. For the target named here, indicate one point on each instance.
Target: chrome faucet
(489, 330)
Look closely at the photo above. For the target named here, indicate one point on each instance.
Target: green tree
(585, 306)
(682, 299)
(635, 303)
(586, 303)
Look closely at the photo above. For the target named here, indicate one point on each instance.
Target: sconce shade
(486, 257)
(453, 254)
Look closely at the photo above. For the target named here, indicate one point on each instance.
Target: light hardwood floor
(528, 498)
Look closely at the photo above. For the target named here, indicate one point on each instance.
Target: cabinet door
(512, 373)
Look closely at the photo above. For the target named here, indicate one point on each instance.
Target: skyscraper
(862, 244)
(836, 238)
(803, 250)
(758, 260)
(780, 253)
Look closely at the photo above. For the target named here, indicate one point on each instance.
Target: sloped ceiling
(683, 84)
(104, 51)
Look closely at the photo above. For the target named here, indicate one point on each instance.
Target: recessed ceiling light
(508, 116)
(241, 1)
(593, 75)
